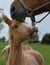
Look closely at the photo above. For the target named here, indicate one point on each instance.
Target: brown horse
(18, 12)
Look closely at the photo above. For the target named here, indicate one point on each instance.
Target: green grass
(2, 45)
(43, 49)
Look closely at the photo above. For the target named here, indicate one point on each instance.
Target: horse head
(17, 11)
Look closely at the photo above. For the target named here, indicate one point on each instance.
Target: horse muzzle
(34, 33)
(17, 13)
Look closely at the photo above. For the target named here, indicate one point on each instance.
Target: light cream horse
(19, 54)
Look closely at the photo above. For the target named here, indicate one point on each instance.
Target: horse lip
(33, 33)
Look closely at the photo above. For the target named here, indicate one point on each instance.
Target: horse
(20, 9)
(20, 54)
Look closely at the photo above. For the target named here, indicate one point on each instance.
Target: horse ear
(6, 19)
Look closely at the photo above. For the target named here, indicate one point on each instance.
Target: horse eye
(15, 26)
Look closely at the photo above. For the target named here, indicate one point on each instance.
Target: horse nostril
(13, 8)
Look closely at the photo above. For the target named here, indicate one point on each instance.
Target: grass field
(43, 49)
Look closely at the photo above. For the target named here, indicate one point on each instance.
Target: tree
(3, 39)
(0, 39)
(1, 25)
(0, 19)
(46, 39)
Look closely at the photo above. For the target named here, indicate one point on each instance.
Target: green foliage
(0, 19)
(2, 45)
(46, 39)
(43, 49)
(3, 39)
(1, 25)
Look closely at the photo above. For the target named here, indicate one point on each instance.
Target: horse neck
(15, 55)
(34, 3)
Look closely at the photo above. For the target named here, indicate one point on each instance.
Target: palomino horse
(19, 9)
(20, 54)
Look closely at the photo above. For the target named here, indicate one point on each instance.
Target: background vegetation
(46, 39)
(43, 49)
